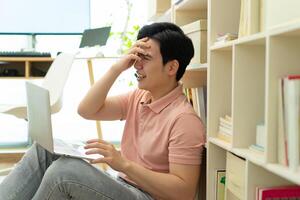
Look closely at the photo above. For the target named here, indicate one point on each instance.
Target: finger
(97, 151)
(107, 146)
(97, 140)
(137, 50)
(144, 39)
(142, 43)
(96, 145)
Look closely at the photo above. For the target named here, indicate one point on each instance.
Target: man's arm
(96, 105)
(180, 183)
(96, 99)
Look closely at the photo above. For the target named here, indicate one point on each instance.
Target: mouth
(139, 76)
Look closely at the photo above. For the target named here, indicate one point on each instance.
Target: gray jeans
(41, 175)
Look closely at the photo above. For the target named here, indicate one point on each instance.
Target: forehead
(154, 49)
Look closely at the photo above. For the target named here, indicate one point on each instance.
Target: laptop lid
(39, 115)
(93, 37)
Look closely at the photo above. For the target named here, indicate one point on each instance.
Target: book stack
(259, 147)
(198, 98)
(272, 193)
(225, 37)
(225, 129)
(289, 122)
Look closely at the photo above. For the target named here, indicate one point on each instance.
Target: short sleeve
(124, 101)
(187, 139)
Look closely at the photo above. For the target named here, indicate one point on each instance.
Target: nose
(138, 65)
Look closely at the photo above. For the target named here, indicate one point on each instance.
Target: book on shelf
(249, 17)
(201, 99)
(282, 156)
(276, 193)
(257, 148)
(291, 94)
(260, 135)
(225, 130)
(189, 95)
(222, 38)
(226, 121)
(224, 137)
(220, 178)
(197, 98)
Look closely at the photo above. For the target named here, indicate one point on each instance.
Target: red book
(268, 193)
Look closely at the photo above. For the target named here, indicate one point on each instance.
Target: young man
(162, 141)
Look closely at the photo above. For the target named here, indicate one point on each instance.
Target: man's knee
(66, 168)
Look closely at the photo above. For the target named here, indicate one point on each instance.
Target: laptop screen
(93, 37)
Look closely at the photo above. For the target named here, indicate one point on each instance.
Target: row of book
(198, 98)
(225, 128)
(289, 122)
(262, 193)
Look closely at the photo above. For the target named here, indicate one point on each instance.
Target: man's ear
(172, 67)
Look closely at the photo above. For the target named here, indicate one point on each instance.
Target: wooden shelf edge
(256, 158)
(222, 47)
(284, 172)
(220, 143)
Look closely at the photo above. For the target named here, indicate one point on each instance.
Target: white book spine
(291, 95)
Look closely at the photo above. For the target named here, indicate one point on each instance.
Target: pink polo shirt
(165, 131)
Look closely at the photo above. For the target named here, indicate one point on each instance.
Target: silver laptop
(40, 126)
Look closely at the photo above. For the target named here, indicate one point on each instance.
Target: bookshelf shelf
(225, 145)
(227, 46)
(243, 82)
(284, 172)
(254, 157)
(288, 29)
(255, 39)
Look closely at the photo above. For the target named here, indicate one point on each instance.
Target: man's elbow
(83, 112)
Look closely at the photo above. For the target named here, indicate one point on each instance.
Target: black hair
(174, 44)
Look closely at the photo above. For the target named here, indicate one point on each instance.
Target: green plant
(127, 38)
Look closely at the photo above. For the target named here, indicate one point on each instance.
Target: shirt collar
(163, 102)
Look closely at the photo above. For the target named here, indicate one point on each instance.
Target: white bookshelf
(243, 77)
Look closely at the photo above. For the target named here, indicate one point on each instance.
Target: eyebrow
(148, 56)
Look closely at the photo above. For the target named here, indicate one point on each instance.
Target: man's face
(152, 73)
